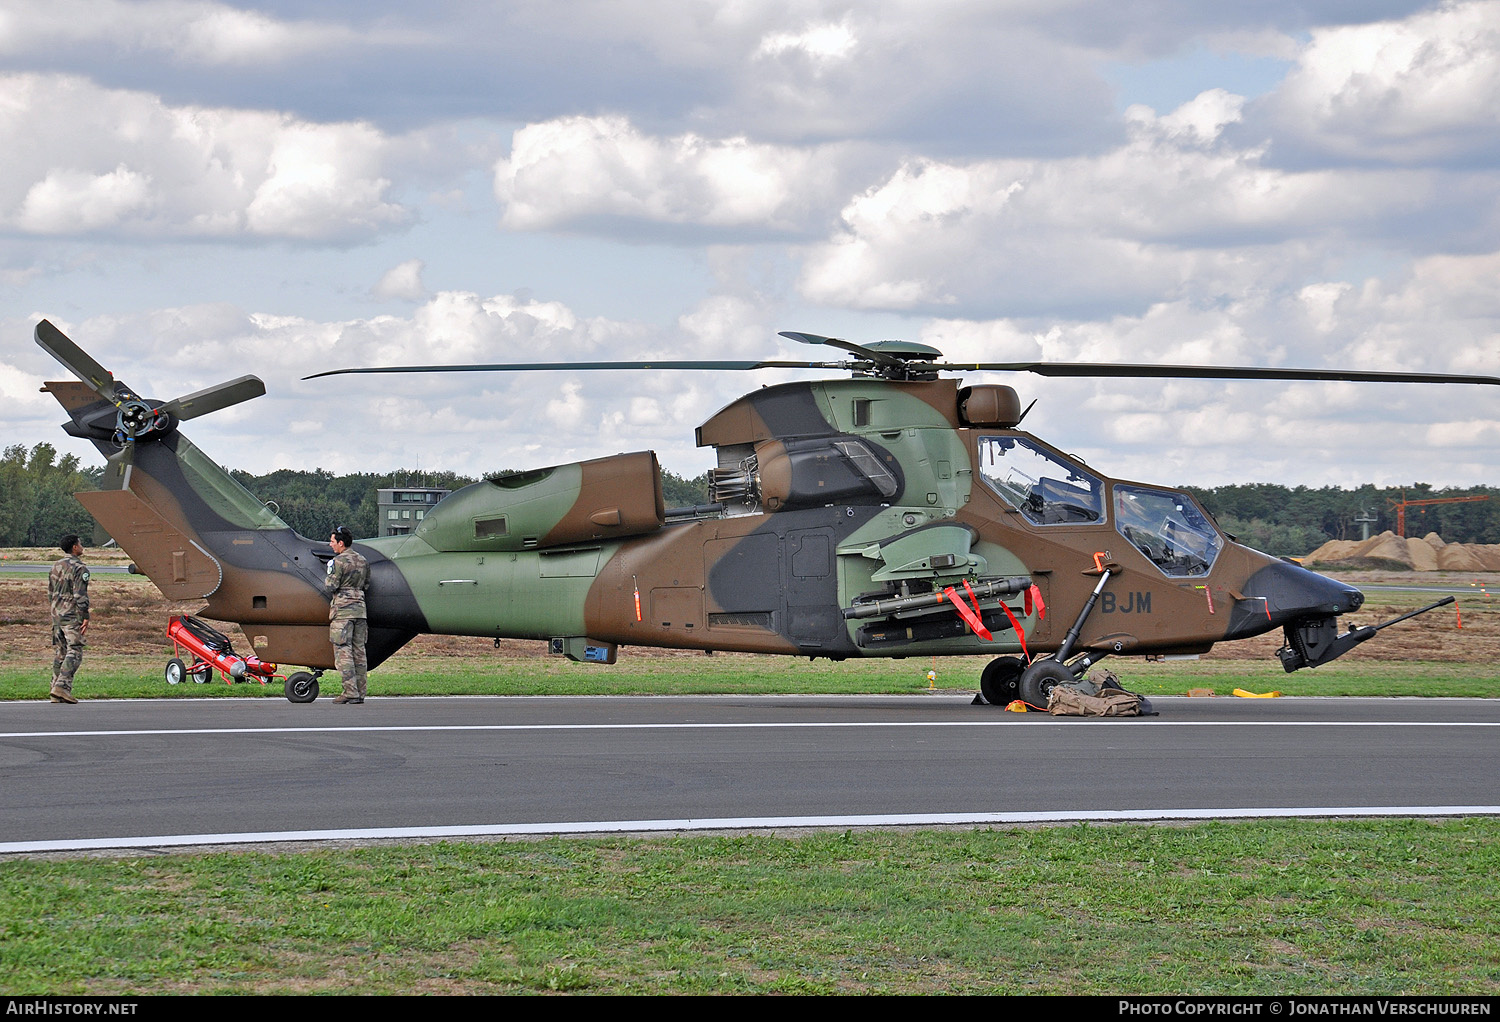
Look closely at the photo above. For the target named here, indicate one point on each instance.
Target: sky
(194, 190)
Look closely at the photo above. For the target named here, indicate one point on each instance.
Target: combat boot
(62, 696)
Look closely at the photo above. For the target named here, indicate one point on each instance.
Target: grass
(1270, 907)
(1246, 908)
(744, 674)
(114, 677)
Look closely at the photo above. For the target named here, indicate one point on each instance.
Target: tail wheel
(175, 671)
(1038, 681)
(1001, 681)
(301, 687)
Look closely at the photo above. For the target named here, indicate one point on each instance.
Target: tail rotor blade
(57, 344)
(214, 398)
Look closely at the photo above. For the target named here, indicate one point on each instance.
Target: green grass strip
(1264, 907)
(738, 674)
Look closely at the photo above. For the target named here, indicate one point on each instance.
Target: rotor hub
(911, 361)
(135, 419)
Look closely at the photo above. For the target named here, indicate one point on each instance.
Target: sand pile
(1429, 553)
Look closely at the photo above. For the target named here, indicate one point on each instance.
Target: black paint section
(1290, 592)
(790, 410)
(806, 605)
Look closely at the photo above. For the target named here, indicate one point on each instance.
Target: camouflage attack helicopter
(890, 514)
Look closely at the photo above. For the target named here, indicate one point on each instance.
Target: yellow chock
(1016, 706)
(1255, 695)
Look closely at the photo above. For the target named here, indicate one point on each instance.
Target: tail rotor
(119, 420)
(128, 418)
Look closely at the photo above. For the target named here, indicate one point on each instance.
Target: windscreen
(1044, 486)
(1168, 528)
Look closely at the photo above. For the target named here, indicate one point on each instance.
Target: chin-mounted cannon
(1314, 641)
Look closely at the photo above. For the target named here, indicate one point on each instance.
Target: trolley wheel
(175, 671)
(301, 687)
(200, 673)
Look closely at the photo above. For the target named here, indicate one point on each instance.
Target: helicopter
(894, 512)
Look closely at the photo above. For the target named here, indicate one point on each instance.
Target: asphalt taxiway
(168, 773)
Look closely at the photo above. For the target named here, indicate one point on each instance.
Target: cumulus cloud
(1178, 209)
(960, 79)
(1172, 431)
(957, 173)
(31, 415)
(825, 43)
(588, 169)
(111, 161)
(402, 281)
(471, 422)
(181, 31)
(67, 201)
(1413, 91)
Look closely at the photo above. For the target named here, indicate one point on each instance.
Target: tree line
(1296, 520)
(37, 506)
(36, 496)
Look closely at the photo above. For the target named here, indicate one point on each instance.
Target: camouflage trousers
(67, 642)
(349, 638)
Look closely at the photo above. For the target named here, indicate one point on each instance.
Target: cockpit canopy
(1050, 489)
(1042, 485)
(1168, 528)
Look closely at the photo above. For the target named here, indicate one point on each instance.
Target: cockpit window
(1043, 486)
(1168, 528)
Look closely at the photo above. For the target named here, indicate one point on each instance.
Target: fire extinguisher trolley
(202, 649)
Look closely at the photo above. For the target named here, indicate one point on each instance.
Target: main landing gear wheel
(1038, 681)
(301, 687)
(1000, 683)
(175, 672)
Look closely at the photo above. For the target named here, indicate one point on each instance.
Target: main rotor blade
(521, 367)
(211, 399)
(870, 354)
(1106, 370)
(57, 344)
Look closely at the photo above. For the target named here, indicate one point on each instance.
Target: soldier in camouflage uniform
(68, 592)
(348, 630)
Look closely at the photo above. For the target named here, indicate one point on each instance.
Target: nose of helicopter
(1282, 592)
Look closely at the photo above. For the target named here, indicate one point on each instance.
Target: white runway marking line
(748, 725)
(729, 823)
